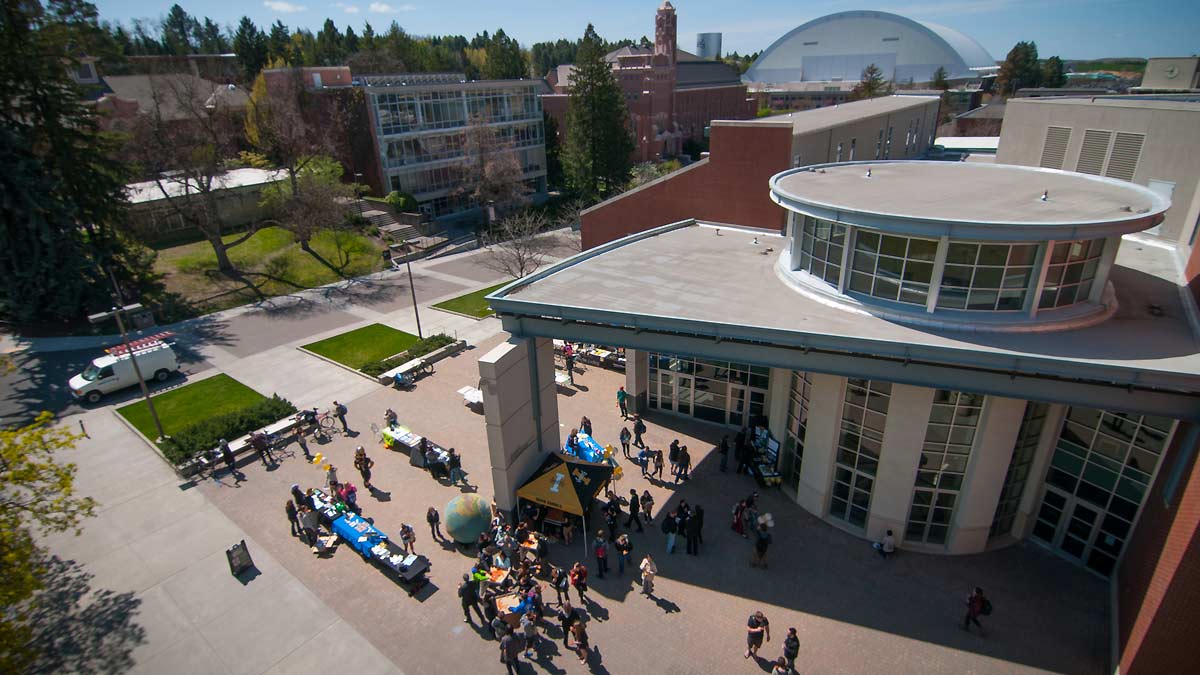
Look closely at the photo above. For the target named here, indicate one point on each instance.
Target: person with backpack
(977, 605)
(339, 411)
(639, 428)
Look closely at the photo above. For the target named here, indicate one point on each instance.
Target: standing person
(649, 571)
(230, 460)
(579, 575)
(622, 403)
(780, 667)
(408, 538)
(791, 649)
(673, 457)
(624, 549)
(585, 425)
(685, 465)
(625, 437)
(634, 510)
(762, 540)
(308, 525)
(562, 586)
(468, 593)
(579, 632)
(739, 518)
(293, 517)
(455, 464)
(600, 549)
(298, 495)
(567, 616)
(757, 627)
(977, 605)
(698, 514)
(669, 529)
(571, 367)
(259, 442)
(331, 477)
(643, 459)
(510, 652)
(648, 506)
(363, 464)
(658, 465)
(692, 531)
(724, 452)
(529, 626)
(435, 524)
(303, 443)
(339, 411)
(639, 428)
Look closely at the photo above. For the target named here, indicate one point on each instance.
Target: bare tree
(570, 214)
(492, 173)
(521, 245)
(281, 124)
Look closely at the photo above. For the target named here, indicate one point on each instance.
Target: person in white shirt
(887, 546)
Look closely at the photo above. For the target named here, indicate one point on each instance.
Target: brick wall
(1158, 583)
(729, 187)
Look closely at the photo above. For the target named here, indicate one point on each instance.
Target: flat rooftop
(1145, 101)
(970, 193)
(818, 119)
(149, 191)
(716, 284)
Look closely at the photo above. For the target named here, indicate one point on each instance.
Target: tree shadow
(79, 629)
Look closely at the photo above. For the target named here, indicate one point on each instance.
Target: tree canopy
(871, 84)
(596, 156)
(1020, 69)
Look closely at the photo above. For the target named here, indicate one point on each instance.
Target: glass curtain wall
(949, 436)
(716, 391)
(797, 427)
(864, 415)
(821, 245)
(1018, 468)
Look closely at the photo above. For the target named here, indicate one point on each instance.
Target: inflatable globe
(466, 517)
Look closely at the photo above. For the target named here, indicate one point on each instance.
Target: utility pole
(411, 287)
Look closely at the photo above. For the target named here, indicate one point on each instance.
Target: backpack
(986, 610)
(341, 409)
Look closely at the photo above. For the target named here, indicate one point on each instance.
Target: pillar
(994, 440)
(520, 408)
(903, 436)
(637, 380)
(1031, 497)
(820, 443)
(778, 398)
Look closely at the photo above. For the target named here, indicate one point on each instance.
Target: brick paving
(854, 611)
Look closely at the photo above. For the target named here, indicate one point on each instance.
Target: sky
(1071, 29)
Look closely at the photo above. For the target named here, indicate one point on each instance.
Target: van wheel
(94, 397)
(162, 374)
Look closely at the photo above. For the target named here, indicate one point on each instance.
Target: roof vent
(1127, 208)
(1045, 195)
(868, 173)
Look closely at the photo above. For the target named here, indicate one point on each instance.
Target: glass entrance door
(1068, 525)
(737, 405)
(683, 394)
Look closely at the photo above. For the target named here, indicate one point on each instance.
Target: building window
(1101, 470)
(864, 415)
(1070, 273)
(716, 391)
(839, 152)
(949, 436)
(893, 268)
(797, 427)
(853, 142)
(1024, 450)
(988, 277)
(821, 244)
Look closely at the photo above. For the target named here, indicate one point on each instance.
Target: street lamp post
(357, 195)
(116, 313)
(411, 287)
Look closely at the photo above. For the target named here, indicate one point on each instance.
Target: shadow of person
(381, 495)
(595, 610)
(666, 605)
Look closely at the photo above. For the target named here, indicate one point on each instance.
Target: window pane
(894, 246)
(962, 254)
(993, 254)
(922, 249)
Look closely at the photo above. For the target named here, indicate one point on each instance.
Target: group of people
(686, 521)
(448, 466)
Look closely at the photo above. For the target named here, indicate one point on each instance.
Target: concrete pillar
(820, 443)
(521, 429)
(908, 416)
(637, 379)
(994, 440)
(778, 398)
(1031, 498)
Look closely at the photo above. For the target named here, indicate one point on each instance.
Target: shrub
(206, 434)
(401, 201)
(421, 348)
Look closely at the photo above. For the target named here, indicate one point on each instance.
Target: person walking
(600, 549)
(229, 459)
(622, 403)
(303, 443)
(625, 437)
(339, 411)
(510, 653)
(454, 463)
(723, 450)
(692, 531)
(298, 495)
(567, 616)
(562, 586)
(435, 524)
(293, 518)
(644, 457)
(259, 442)
(639, 428)
(468, 594)
(791, 649)
(757, 627)
(579, 575)
(529, 626)
(579, 632)
(977, 605)
(669, 529)
(624, 549)
(363, 464)
(571, 368)
(635, 510)
(685, 465)
(649, 571)
(658, 465)
(648, 506)
(762, 541)
(673, 457)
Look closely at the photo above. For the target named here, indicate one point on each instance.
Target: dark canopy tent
(566, 483)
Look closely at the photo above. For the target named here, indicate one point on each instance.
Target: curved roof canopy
(839, 46)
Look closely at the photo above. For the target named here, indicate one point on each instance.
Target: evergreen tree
(349, 41)
(504, 58)
(939, 79)
(871, 84)
(210, 39)
(177, 31)
(250, 45)
(329, 45)
(279, 43)
(367, 42)
(1053, 73)
(596, 157)
(554, 169)
(1020, 69)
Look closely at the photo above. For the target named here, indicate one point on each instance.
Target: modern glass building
(968, 355)
(420, 120)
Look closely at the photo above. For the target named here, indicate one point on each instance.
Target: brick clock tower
(662, 83)
(664, 32)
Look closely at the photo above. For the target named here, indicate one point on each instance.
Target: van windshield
(90, 373)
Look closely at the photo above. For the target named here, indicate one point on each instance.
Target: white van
(114, 370)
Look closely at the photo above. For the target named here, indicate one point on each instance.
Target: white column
(637, 380)
(908, 416)
(1031, 498)
(510, 377)
(994, 440)
(820, 443)
(777, 402)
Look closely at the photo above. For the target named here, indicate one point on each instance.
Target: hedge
(421, 348)
(206, 434)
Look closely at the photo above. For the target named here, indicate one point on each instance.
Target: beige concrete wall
(1184, 68)
(994, 440)
(515, 444)
(820, 443)
(1170, 152)
(908, 417)
(778, 398)
(637, 380)
(818, 147)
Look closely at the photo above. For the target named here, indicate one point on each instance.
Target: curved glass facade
(893, 268)
(1072, 269)
(989, 277)
(821, 245)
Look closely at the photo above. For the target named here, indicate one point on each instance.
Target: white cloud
(285, 7)
(384, 8)
(349, 9)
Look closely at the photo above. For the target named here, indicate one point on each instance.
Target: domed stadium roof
(839, 46)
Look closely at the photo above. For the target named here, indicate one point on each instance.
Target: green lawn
(363, 345)
(472, 304)
(182, 407)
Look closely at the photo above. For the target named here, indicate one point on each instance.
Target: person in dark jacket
(290, 509)
(229, 460)
(692, 530)
(669, 528)
(468, 594)
(635, 507)
(639, 428)
(724, 452)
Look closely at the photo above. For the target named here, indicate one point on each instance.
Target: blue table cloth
(588, 449)
(358, 533)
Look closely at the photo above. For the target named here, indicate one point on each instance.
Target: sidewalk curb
(147, 441)
(339, 365)
(465, 316)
